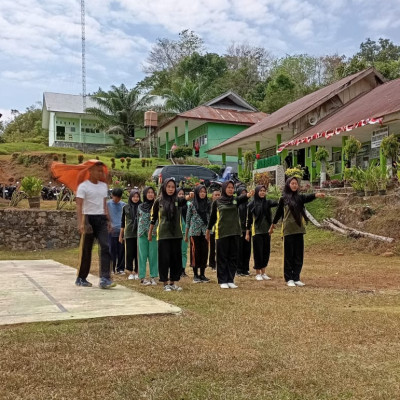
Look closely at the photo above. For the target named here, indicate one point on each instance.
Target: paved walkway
(44, 290)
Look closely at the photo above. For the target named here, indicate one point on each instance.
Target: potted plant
(322, 155)
(351, 148)
(358, 182)
(389, 148)
(32, 187)
(348, 177)
(295, 171)
(382, 179)
(371, 180)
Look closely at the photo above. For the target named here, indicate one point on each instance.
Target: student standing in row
(167, 211)
(184, 208)
(115, 206)
(128, 233)
(259, 221)
(292, 211)
(93, 223)
(196, 225)
(225, 217)
(147, 249)
(244, 245)
(216, 194)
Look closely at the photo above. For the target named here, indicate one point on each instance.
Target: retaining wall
(38, 229)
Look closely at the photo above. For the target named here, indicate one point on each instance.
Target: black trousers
(211, 257)
(116, 253)
(96, 226)
(170, 259)
(200, 251)
(131, 254)
(293, 256)
(227, 258)
(261, 250)
(244, 255)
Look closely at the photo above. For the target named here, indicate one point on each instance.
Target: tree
(184, 95)
(280, 91)
(26, 126)
(120, 110)
(166, 53)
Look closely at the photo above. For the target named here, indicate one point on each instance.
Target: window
(72, 129)
(202, 140)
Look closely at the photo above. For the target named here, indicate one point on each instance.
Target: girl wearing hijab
(225, 217)
(167, 211)
(259, 221)
(181, 193)
(147, 249)
(244, 245)
(291, 210)
(129, 232)
(196, 225)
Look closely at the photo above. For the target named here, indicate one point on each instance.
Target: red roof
(208, 113)
(381, 101)
(288, 112)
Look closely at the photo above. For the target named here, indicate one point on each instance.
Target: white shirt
(93, 196)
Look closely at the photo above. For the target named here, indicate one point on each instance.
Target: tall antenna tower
(83, 55)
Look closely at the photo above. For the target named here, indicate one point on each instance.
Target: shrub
(112, 163)
(122, 159)
(214, 167)
(262, 178)
(125, 154)
(321, 154)
(274, 192)
(31, 186)
(336, 183)
(390, 147)
(80, 158)
(295, 171)
(182, 152)
(326, 184)
(128, 163)
(64, 158)
(143, 161)
(351, 147)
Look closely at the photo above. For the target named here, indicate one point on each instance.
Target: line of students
(162, 228)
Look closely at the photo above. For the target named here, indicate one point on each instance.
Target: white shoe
(291, 283)
(135, 277)
(259, 277)
(131, 277)
(153, 282)
(232, 286)
(224, 286)
(299, 283)
(145, 282)
(265, 277)
(167, 288)
(175, 288)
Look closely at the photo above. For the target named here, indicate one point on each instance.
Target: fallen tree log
(313, 220)
(335, 228)
(354, 232)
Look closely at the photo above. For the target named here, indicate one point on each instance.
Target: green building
(362, 105)
(210, 124)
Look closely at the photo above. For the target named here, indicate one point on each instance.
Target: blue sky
(41, 39)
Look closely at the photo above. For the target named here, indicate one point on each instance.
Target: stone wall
(37, 229)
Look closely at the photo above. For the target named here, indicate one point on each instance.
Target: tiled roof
(290, 111)
(381, 101)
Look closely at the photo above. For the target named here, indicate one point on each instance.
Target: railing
(268, 162)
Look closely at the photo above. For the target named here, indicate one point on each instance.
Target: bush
(182, 152)
(262, 178)
(322, 154)
(134, 178)
(214, 167)
(31, 186)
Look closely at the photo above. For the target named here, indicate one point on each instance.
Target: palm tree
(184, 95)
(120, 110)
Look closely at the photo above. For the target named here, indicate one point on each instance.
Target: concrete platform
(44, 290)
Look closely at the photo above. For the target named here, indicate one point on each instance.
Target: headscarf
(133, 207)
(225, 199)
(202, 206)
(293, 201)
(147, 204)
(73, 175)
(242, 206)
(259, 206)
(168, 202)
(185, 207)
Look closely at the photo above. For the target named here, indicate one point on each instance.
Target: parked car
(181, 172)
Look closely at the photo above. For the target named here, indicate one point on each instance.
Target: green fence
(268, 162)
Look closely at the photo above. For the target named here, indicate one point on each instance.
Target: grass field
(337, 338)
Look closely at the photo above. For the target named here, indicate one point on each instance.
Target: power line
(83, 55)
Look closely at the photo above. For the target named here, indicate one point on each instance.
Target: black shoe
(246, 273)
(82, 282)
(204, 279)
(184, 274)
(197, 279)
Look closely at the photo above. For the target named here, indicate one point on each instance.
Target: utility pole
(83, 64)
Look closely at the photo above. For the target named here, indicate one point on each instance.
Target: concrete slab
(44, 290)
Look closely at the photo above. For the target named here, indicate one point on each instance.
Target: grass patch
(332, 339)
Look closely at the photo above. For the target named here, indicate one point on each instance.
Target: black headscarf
(259, 206)
(133, 207)
(243, 206)
(147, 204)
(185, 207)
(293, 201)
(168, 202)
(225, 199)
(202, 206)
